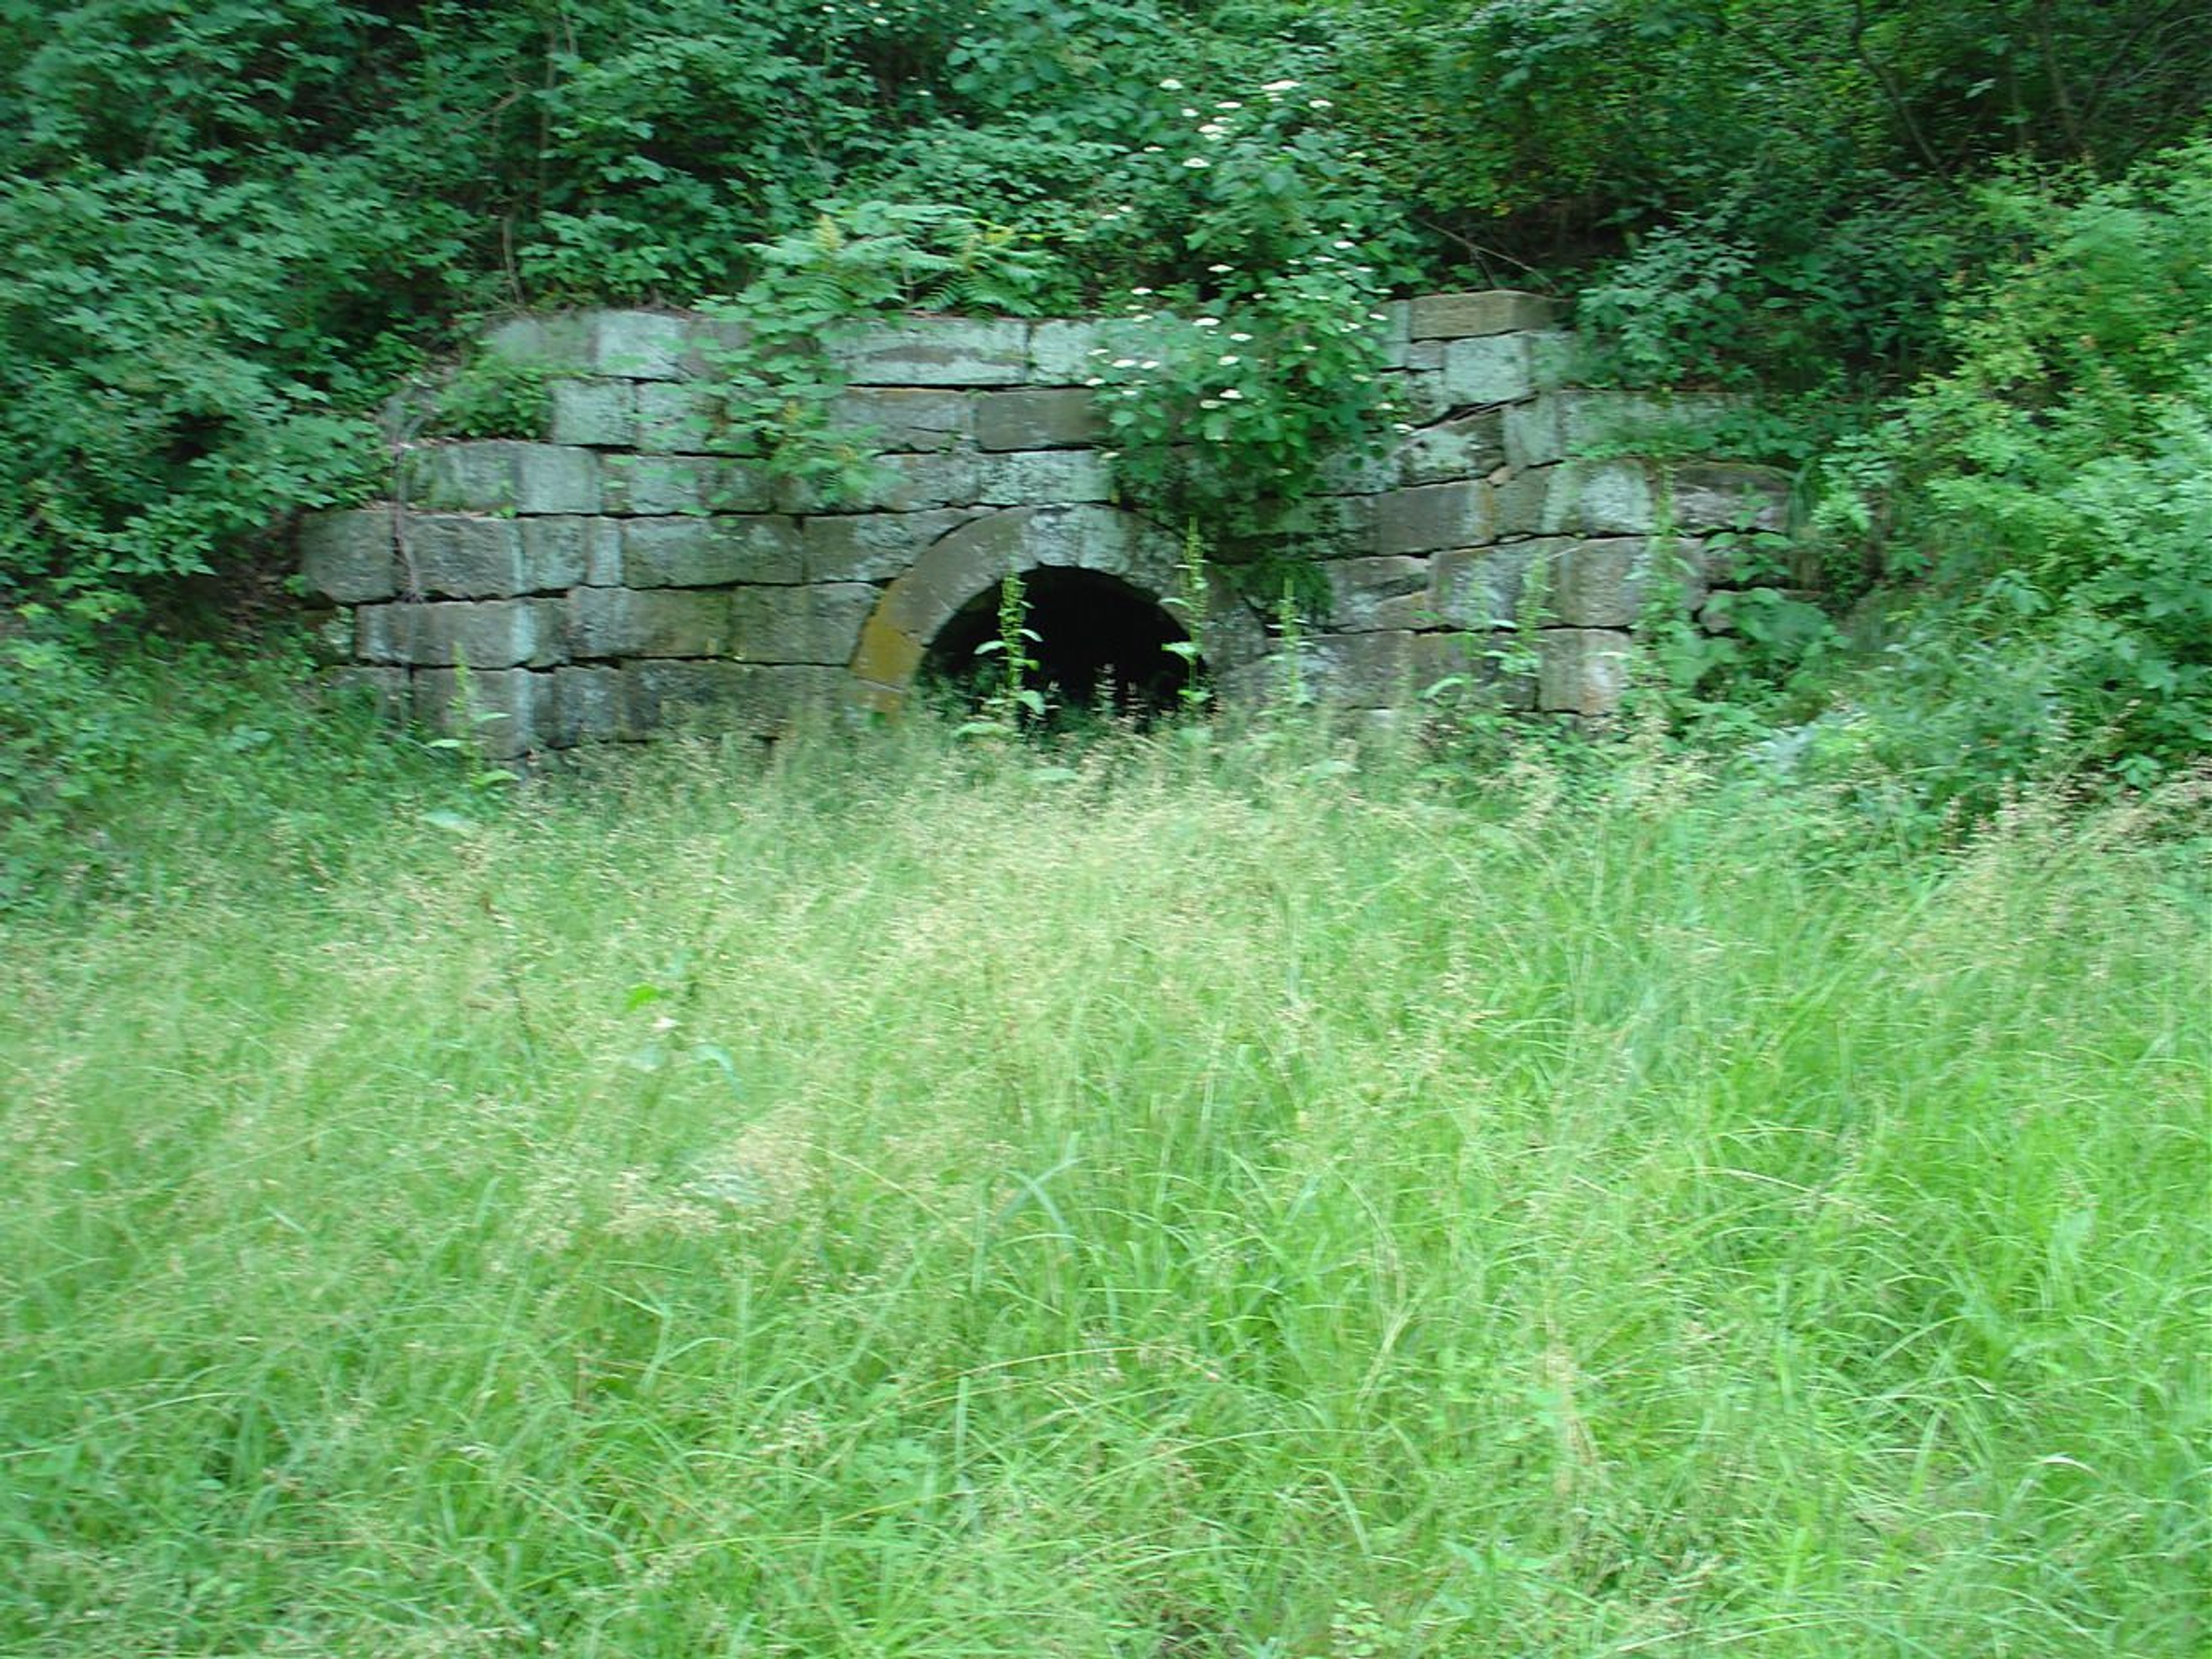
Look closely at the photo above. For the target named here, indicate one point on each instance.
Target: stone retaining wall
(637, 563)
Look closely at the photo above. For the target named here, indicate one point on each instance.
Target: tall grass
(1172, 1199)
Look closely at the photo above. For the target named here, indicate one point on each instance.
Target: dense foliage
(233, 228)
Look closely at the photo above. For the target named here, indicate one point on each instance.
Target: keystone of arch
(955, 569)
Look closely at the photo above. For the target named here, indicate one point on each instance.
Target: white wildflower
(1232, 393)
(1170, 86)
(1275, 88)
(1198, 161)
(1228, 358)
(1205, 322)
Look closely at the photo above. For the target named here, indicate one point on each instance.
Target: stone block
(1478, 588)
(1726, 496)
(639, 345)
(623, 622)
(1046, 418)
(709, 552)
(1367, 595)
(330, 636)
(560, 552)
(503, 476)
(789, 695)
(1060, 352)
(683, 418)
(1323, 526)
(503, 713)
(899, 484)
(869, 547)
(1491, 369)
(1599, 584)
(349, 557)
(1359, 472)
(1359, 671)
(598, 413)
(385, 689)
(560, 341)
(1581, 670)
(590, 705)
(647, 485)
(1429, 518)
(760, 699)
(816, 624)
(1095, 538)
(939, 351)
(1042, 478)
(1600, 498)
(1472, 447)
(907, 419)
(483, 634)
(1419, 395)
(555, 478)
(1476, 661)
(1467, 316)
(1561, 425)
(455, 556)
(1518, 502)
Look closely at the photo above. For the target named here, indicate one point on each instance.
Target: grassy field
(1161, 1201)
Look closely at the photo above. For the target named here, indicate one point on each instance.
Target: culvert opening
(1102, 647)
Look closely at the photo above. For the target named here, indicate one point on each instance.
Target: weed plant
(910, 1197)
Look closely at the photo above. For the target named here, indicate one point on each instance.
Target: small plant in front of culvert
(1187, 606)
(1290, 645)
(1012, 699)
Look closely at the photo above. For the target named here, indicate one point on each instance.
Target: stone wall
(636, 563)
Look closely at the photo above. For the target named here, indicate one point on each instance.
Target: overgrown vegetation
(1173, 1197)
(1957, 249)
(1738, 1189)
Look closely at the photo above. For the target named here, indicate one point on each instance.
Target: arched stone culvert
(1114, 568)
(628, 565)
(1097, 646)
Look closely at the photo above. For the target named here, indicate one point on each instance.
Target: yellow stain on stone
(887, 655)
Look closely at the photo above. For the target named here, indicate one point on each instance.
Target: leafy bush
(1228, 390)
(2053, 487)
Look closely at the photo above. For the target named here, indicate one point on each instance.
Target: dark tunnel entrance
(1101, 647)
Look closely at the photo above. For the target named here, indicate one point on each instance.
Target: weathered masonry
(633, 568)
